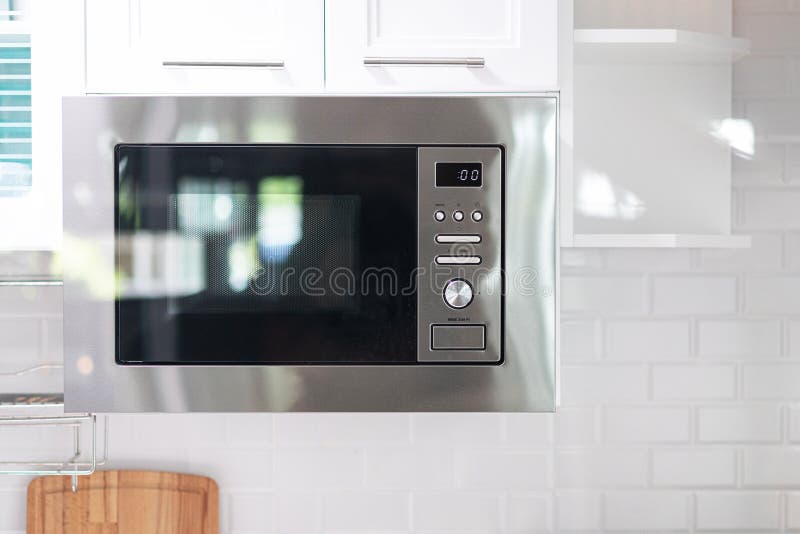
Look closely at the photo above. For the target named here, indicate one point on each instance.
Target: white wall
(681, 382)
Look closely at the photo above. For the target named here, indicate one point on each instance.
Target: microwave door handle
(472, 62)
(247, 64)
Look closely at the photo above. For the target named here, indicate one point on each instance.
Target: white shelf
(660, 241)
(649, 46)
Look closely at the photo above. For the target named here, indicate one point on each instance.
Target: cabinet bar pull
(250, 64)
(445, 61)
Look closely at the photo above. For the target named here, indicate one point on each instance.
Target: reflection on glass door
(266, 254)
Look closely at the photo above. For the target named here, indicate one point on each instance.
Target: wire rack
(89, 445)
(48, 441)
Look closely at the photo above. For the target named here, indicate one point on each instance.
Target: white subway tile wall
(680, 378)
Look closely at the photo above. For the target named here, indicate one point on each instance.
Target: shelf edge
(660, 241)
(714, 45)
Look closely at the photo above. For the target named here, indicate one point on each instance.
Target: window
(15, 109)
(41, 61)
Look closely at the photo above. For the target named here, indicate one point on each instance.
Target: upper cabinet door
(442, 45)
(204, 46)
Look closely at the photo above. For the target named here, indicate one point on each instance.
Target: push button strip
(460, 222)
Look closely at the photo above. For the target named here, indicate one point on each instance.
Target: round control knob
(439, 215)
(477, 216)
(458, 216)
(457, 293)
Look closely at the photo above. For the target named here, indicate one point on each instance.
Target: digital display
(459, 174)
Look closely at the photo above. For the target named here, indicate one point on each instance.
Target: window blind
(15, 104)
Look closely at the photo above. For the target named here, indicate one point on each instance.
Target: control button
(439, 215)
(458, 260)
(458, 238)
(457, 293)
(477, 215)
(458, 215)
(458, 337)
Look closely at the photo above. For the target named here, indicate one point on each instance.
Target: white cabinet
(441, 45)
(204, 46)
(653, 126)
(296, 46)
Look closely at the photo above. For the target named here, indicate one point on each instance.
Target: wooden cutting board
(124, 502)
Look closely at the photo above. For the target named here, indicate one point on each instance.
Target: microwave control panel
(460, 281)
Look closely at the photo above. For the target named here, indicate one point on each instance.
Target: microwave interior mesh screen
(265, 252)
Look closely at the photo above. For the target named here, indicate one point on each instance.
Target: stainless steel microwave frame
(523, 125)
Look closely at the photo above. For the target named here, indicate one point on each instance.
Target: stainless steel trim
(458, 260)
(247, 64)
(472, 62)
(458, 238)
(524, 124)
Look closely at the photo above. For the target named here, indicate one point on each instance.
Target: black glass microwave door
(261, 254)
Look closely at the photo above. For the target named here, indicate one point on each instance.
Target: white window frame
(32, 220)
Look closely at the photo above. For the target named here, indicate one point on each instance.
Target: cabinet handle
(473, 62)
(249, 64)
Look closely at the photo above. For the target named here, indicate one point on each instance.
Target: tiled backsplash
(680, 383)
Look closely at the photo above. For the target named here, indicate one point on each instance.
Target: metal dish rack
(41, 412)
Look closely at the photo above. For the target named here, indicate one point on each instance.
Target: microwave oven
(310, 253)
